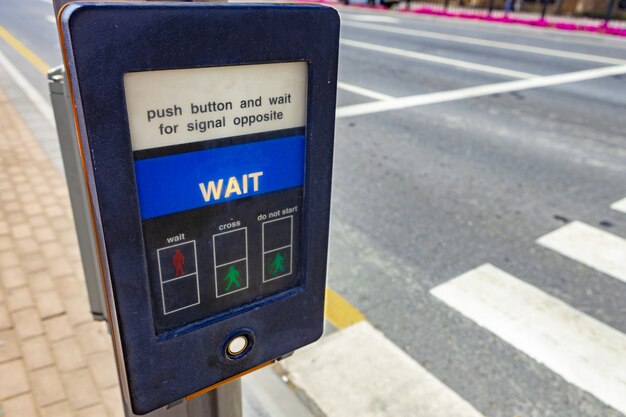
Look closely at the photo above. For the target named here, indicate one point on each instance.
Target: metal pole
(78, 190)
(491, 4)
(224, 401)
(544, 9)
(609, 12)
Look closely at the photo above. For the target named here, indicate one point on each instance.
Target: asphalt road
(425, 193)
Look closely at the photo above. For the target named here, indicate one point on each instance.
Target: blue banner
(180, 182)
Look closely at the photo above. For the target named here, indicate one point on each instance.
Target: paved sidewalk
(54, 359)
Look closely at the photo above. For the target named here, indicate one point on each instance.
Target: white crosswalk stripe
(472, 66)
(365, 92)
(478, 91)
(579, 348)
(369, 18)
(591, 246)
(359, 372)
(619, 205)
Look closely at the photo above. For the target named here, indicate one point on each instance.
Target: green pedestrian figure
(277, 264)
(232, 276)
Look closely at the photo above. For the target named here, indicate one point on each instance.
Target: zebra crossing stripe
(457, 63)
(357, 371)
(619, 205)
(593, 247)
(582, 350)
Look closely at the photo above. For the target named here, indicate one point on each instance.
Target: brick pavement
(54, 359)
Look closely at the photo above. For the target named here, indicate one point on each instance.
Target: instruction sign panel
(219, 166)
(173, 107)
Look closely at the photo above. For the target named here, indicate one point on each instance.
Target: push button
(238, 345)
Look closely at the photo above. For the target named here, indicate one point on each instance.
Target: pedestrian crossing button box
(208, 157)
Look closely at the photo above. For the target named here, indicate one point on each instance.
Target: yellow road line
(339, 312)
(24, 51)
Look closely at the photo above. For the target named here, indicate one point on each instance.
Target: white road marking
(369, 18)
(593, 247)
(51, 19)
(357, 371)
(619, 205)
(363, 91)
(478, 91)
(489, 43)
(33, 95)
(582, 350)
(437, 59)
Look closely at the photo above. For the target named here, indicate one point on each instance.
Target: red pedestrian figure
(179, 262)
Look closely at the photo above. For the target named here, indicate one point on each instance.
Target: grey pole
(544, 9)
(609, 12)
(224, 401)
(78, 191)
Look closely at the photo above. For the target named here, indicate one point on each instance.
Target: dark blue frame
(102, 42)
